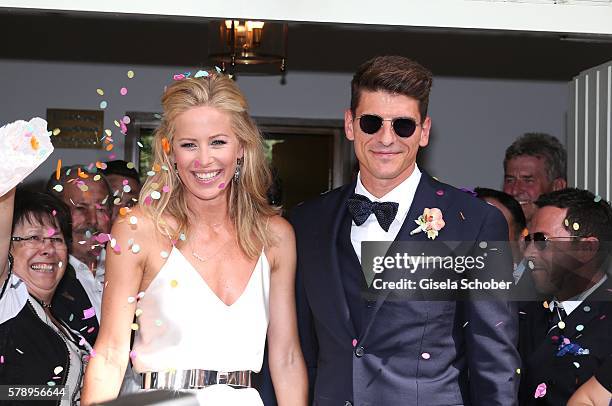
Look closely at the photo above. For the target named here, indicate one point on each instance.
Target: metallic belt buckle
(222, 378)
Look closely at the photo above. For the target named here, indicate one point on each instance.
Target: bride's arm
(124, 272)
(284, 353)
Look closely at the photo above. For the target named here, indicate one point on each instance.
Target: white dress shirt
(571, 304)
(93, 285)
(403, 194)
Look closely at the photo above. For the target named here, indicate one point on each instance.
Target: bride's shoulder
(279, 227)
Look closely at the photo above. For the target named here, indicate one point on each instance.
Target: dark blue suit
(388, 366)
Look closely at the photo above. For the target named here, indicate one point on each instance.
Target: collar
(80, 267)
(570, 304)
(398, 194)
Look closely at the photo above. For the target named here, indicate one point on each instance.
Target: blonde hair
(248, 204)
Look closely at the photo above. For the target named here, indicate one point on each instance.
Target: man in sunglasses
(564, 339)
(364, 350)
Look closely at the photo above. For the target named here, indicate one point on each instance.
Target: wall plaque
(77, 128)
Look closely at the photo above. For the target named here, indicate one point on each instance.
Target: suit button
(359, 351)
(348, 403)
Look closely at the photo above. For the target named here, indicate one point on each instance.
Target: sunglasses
(541, 241)
(404, 127)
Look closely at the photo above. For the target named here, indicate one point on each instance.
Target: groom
(370, 351)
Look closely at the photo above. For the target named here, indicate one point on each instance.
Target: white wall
(474, 120)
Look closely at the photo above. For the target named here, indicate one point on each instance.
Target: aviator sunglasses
(541, 240)
(404, 127)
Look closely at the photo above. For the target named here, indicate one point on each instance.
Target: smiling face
(385, 159)
(126, 189)
(206, 151)
(40, 267)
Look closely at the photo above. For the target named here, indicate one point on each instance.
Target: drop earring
(238, 169)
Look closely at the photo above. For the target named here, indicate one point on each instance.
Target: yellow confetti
(134, 326)
(100, 92)
(138, 312)
(130, 74)
(97, 178)
(174, 283)
(561, 325)
(518, 371)
(545, 304)
(56, 131)
(130, 165)
(566, 222)
(108, 132)
(576, 226)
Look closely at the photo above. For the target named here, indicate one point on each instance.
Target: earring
(238, 168)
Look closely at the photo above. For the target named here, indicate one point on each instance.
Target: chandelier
(244, 45)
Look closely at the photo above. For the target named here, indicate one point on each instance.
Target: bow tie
(361, 207)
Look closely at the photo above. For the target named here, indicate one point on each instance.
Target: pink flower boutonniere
(430, 221)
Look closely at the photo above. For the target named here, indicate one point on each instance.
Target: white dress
(184, 325)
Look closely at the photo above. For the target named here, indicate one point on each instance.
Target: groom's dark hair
(393, 74)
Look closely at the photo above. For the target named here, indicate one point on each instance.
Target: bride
(203, 268)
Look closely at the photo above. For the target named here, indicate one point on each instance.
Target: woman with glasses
(36, 346)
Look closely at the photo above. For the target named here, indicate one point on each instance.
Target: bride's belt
(177, 379)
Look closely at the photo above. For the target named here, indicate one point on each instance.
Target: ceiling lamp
(245, 45)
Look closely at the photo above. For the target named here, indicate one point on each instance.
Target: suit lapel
(327, 282)
(426, 196)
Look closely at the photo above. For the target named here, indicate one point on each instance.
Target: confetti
(135, 248)
(138, 312)
(34, 143)
(483, 244)
(165, 145)
(50, 231)
(462, 216)
(597, 199)
(90, 329)
(133, 220)
(130, 74)
(123, 91)
(499, 324)
(19, 351)
(182, 237)
(577, 365)
(530, 264)
(155, 195)
(140, 144)
(354, 342)
(134, 326)
(545, 304)
(579, 327)
(518, 371)
(440, 192)
(425, 355)
(132, 354)
(56, 131)
(586, 308)
(1, 359)
(58, 188)
(221, 185)
(140, 295)
(166, 189)
(576, 226)
(100, 92)
(127, 189)
(131, 165)
(89, 313)
(540, 391)
(200, 74)
(131, 299)
(50, 383)
(466, 323)
(174, 283)
(561, 325)
(103, 104)
(126, 119)
(158, 323)
(57, 370)
(123, 127)
(151, 173)
(97, 178)
(164, 254)
(566, 222)
(60, 264)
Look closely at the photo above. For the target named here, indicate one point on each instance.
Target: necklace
(220, 250)
(42, 302)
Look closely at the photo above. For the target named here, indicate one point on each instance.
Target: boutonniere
(430, 221)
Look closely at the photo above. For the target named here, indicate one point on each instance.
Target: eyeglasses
(36, 241)
(404, 127)
(541, 240)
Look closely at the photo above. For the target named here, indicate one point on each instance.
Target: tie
(558, 315)
(361, 207)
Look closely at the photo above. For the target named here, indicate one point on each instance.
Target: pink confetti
(50, 231)
(196, 163)
(566, 341)
(440, 192)
(132, 354)
(123, 128)
(540, 391)
(602, 317)
(1, 359)
(54, 213)
(221, 185)
(117, 249)
(102, 238)
(89, 313)
(92, 353)
(82, 341)
(180, 76)
(354, 342)
(91, 329)
(126, 119)
(123, 91)
(112, 156)
(148, 200)
(166, 189)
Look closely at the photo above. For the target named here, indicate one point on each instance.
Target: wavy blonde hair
(248, 205)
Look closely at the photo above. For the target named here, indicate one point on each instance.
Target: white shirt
(371, 230)
(93, 285)
(572, 303)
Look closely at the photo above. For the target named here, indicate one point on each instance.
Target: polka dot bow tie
(361, 207)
